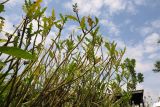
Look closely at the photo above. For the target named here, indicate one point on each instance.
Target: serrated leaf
(71, 17)
(17, 52)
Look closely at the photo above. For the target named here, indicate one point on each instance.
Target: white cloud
(72, 28)
(12, 3)
(120, 44)
(111, 26)
(140, 2)
(145, 30)
(149, 27)
(127, 21)
(150, 43)
(156, 24)
(142, 66)
(46, 2)
(139, 51)
(135, 52)
(112, 6)
(150, 49)
(115, 5)
(8, 26)
(87, 7)
(154, 56)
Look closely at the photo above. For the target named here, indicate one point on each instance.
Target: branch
(4, 2)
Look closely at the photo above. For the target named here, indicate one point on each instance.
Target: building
(137, 98)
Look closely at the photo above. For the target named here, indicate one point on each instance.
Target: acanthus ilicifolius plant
(75, 69)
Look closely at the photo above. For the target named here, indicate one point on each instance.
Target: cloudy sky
(134, 24)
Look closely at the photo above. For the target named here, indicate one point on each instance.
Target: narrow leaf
(1, 8)
(51, 54)
(82, 23)
(90, 22)
(97, 20)
(53, 14)
(71, 17)
(3, 40)
(19, 53)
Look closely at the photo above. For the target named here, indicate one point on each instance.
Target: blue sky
(131, 23)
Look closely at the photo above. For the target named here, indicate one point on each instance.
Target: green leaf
(113, 48)
(97, 20)
(70, 44)
(118, 78)
(19, 53)
(3, 40)
(51, 54)
(71, 17)
(90, 22)
(61, 16)
(96, 31)
(79, 37)
(82, 23)
(107, 45)
(53, 14)
(43, 10)
(88, 40)
(1, 8)
(16, 41)
(2, 64)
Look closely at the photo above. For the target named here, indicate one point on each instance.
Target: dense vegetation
(78, 68)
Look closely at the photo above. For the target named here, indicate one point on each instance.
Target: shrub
(81, 69)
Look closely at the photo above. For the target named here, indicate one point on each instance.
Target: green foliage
(80, 70)
(130, 65)
(157, 67)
